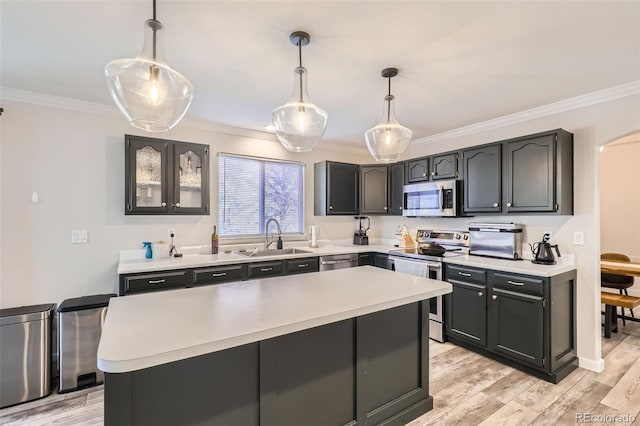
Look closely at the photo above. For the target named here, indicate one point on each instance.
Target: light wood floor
(467, 388)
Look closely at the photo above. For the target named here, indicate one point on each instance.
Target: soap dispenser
(279, 243)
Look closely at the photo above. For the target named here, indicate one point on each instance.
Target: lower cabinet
(265, 269)
(302, 266)
(525, 321)
(381, 260)
(219, 274)
(144, 282)
(365, 259)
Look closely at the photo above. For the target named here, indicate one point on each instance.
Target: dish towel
(411, 267)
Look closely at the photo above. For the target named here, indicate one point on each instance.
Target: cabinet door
(373, 189)
(517, 326)
(219, 274)
(342, 188)
(381, 260)
(530, 175)
(417, 170)
(301, 266)
(482, 179)
(396, 189)
(139, 283)
(444, 166)
(365, 259)
(146, 175)
(190, 179)
(467, 312)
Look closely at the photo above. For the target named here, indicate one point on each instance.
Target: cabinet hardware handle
(495, 204)
(219, 274)
(515, 283)
(266, 269)
(333, 262)
(178, 205)
(163, 204)
(464, 274)
(508, 204)
(480, 293)
(156, 281)
(400, 207)
(433, 173)
(330, 207)
(424, 174)
(303, 265)
(494, 297)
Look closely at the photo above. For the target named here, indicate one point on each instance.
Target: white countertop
(516, 266)
(204, 260)
(150, 329)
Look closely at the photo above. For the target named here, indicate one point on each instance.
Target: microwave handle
(441, 191)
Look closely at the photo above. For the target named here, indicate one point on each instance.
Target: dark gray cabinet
(482, 169)
(365, 259)
(265, 269)
(417, 170)
(373, 189)
(302, 266)
(396, 189)
(156, 281)
(381, 260)
(524, 320)
(469, 296)
(444, 166)
(165, 177)
(539, 173)
(219, 274)
(336, 188)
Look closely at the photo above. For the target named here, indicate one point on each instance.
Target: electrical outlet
(578, 238)
(170, 232)
(79, 236)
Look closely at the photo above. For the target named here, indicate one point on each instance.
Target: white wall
(75, 161)
(592, 126)
(620, 199)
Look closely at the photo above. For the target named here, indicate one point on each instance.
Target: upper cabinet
(336, 188)
(444, 166)
(417, 170)
(373, 189)
(530, 174)
(166, 177)
(482, 168)
(396, 189)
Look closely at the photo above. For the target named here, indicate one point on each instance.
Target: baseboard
(590, 364)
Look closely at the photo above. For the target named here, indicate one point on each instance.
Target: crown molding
(593, 98)
(41, 99)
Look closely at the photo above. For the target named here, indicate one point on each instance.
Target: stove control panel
(459, 238)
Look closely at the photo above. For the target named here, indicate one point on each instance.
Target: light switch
(578, 238)
(79, 236)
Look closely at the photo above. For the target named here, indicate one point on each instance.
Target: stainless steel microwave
(441, 199)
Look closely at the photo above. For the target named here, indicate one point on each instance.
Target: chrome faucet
(267, 243)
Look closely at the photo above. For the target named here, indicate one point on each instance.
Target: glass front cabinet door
(166, 177)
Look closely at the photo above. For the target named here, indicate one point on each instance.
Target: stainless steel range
(426, 260)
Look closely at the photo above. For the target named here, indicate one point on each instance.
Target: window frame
(287, 236)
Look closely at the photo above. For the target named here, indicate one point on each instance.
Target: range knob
(457, 236)
(466, 236)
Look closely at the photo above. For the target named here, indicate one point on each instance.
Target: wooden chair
(618, 282)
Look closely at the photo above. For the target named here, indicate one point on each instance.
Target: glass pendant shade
(299, 124)
(388, 140)
(151, 95)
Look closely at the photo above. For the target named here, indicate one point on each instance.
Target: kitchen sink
(271, 252)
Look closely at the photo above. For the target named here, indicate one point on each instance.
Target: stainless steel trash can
(25, 353)
(79, 329)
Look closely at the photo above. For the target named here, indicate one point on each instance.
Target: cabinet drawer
(519, 283)
(300, 266)
(218, 274)
(461, 273)
(265, 269)
(154, 282)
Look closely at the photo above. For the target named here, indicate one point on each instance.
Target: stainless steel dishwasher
(338, 261)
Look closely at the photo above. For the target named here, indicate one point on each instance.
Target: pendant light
(389, 139)
(151, 95)
(299, 124)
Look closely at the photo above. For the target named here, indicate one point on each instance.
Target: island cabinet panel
(220, 388)
(482, 179)
(219, 274)
(308, 378)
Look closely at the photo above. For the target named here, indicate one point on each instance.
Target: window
(253, 190)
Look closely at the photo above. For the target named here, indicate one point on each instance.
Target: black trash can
(79, 329)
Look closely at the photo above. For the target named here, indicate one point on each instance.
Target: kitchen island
(338, 347)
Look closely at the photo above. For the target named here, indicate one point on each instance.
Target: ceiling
(460, 62)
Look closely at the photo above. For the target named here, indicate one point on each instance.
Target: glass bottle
(214, 241)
